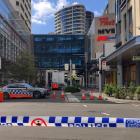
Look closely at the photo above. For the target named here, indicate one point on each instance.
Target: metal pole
(70, 72)
(86, 76)
(86, 72)
(100, 75)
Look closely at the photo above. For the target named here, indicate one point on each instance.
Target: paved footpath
(113, 99)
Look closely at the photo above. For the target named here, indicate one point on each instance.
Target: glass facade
(4, 9)
(11, 43)
(53, 51)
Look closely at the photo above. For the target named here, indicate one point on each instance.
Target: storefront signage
(136, 58)
(105, 38)
(106, 31)
(105, 21)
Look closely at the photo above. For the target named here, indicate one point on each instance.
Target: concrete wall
(135, 27)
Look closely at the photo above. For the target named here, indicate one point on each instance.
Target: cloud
(74, 3)
(61, 3)
(97, 13)
(44, 9)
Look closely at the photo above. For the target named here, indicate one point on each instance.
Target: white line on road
(103, 113)
(71, 98)
(135, 105)
(85, 106)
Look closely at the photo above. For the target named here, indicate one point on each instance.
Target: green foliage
(72, 89)
(138, 92)
(109, 89)
(24, 68)
(131, 90)
(122, 93)
(117, 92)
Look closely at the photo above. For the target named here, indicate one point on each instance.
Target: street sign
(105, 66)
(66, 66)
(73, 66)
(136, 58)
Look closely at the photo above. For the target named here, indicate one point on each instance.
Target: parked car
(24, 90)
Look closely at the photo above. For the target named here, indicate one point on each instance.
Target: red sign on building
(105, 21)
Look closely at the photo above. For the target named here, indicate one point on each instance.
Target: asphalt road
(44, 108)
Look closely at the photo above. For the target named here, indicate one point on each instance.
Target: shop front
(124, 64)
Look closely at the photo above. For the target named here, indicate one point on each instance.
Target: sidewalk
(120, 100)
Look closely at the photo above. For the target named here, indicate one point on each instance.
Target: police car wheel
(36, 95)
(6, 95)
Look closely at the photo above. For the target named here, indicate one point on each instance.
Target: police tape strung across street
(59, 121)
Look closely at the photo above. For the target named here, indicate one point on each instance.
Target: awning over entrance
(125, 52)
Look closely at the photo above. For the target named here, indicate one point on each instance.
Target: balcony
(123, 4)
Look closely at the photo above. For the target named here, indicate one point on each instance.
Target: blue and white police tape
(59, 121)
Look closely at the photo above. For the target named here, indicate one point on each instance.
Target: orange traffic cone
(83, 96)
(54, 95)
(91, 96)
(1, 97)
(62, 94)
(100, 97)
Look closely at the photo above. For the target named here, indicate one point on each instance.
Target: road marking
(85, 106)
(135, 105)
(103, 113)
(71, 98)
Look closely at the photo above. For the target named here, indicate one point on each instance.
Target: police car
(24, 90)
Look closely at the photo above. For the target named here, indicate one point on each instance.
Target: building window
(17, 3)
(125, 22)
(37, 39)
(61, 38)
(130, 22)
(22, 7)
(49, 39)
(125, 26)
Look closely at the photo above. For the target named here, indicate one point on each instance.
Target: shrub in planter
(138, 92)
(108, 89)
(131, 90)
(131, 95)
(72, 89)
(122, 93)
(116, 92)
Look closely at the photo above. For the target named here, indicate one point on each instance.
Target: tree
(24, 68)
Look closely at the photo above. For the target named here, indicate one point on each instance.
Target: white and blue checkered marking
(19, 91)
(58, 121)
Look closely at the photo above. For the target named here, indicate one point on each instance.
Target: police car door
(24, 92)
